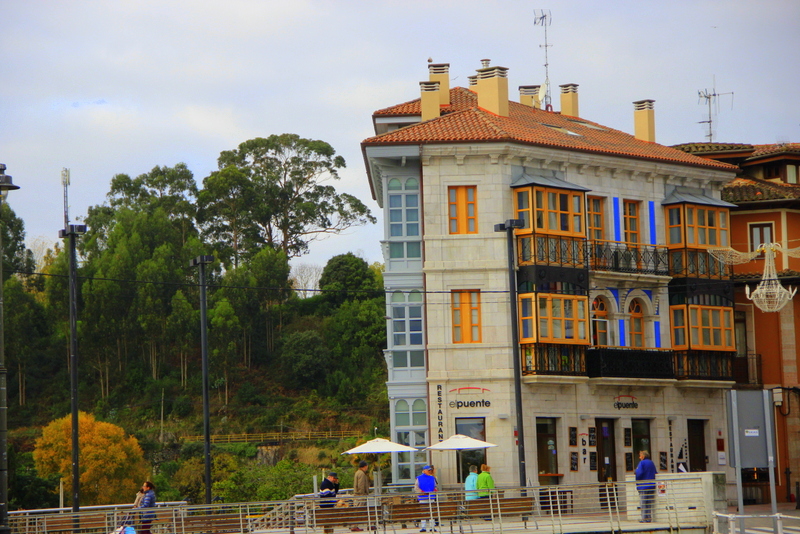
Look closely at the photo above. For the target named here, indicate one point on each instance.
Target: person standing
(485, 482)
(426, 490)
(360, 489)
(471, 484)
(645, 476)
(148, 501)
(329, 489)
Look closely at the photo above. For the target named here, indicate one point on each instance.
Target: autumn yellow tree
(112, 465)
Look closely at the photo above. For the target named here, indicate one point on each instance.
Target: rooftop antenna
(65, 183)
(542, 17)
(710, 98)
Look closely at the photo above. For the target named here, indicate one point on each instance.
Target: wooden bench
(78, 523)
(212, 523)
(502, 508)
(440, 510)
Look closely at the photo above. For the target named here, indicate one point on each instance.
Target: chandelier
(769, 295)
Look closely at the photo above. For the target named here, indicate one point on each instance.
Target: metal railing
(704, 365)
(296, 435)
(553, 359)
(606, 507)
(629, 362)
(739, 524)
(628, 258)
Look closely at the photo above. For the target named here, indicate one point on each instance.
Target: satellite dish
(542, 92)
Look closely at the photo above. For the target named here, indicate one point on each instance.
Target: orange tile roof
(463, 121)
(746, 189)
(777, 148)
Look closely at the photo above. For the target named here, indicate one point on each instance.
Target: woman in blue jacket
(148, 501)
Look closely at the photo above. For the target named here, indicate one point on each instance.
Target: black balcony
(704, 365)
(553, 359)
(747, 371)
(552, 250)
(696, 263)
(628, 258)
(629, 363)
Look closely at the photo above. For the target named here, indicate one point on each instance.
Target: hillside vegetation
(277, 361)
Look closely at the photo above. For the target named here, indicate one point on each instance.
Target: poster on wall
(593, 461)
(628, 461)
(592, 436)
(628, 437)
(573, 436)
(662, 461)
(573, 461)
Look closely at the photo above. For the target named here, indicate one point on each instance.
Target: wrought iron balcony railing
(553, 359)
(628, 258)
(747, 371)
(552, 250)
(704, 365)
(697, 263)
(629, 362)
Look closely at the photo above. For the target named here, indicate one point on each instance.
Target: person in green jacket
(485, 482)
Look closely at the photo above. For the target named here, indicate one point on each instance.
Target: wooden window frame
(760, 226)
(539, 211)
(695, 227)
(669, 225)
(599, 316)
(527, 300)
(458, 209)
(545, 321)
(636, 336)
(679, 328)
(466, 315)
(592, 214)
(632, 237)
(696, 325)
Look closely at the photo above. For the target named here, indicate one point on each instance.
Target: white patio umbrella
(460, 442)
(378, 446)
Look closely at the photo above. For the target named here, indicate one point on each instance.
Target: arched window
(599, 322)
(636, 324)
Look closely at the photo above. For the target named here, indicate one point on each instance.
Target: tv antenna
(711, 101)
(65, 183)
(542, 17)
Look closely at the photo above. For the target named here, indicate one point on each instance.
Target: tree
(289, 205)
(348, 277)
(112, 463)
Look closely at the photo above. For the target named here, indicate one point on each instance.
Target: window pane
(414, 249)
(402, 419)
(396, 250)
(417, 358)
(399, 358)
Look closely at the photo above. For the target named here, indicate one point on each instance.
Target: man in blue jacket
(426, 495)
(148, 501)
(646, 473)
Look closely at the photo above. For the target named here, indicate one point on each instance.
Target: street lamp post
(5, 186)
(71, 231)
(509, 227)
(202, 261)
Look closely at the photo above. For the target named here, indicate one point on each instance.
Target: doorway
(697, 445)
(606, 452)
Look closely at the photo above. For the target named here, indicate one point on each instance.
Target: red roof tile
(746, 189)
(464, 121)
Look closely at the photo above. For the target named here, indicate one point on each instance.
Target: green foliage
(267, 483)
(348, 277)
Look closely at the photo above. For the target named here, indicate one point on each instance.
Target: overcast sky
(108, 87)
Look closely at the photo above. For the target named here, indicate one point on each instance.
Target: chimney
(473, 82)
(493, 89)
(429, 100)
(644, 120)
(440, 72)
(569, 99)
(529, 96)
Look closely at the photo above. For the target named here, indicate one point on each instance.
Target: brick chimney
(440, 72)
(569, 99)
(429, 100)
(529, 96)
(493, 88)
(644, 120)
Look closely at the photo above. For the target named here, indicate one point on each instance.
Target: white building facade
(625, 334)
